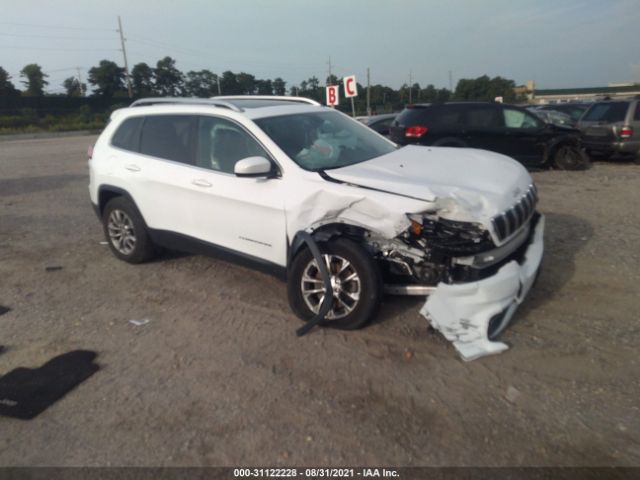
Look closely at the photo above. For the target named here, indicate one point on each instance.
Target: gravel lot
(218, 377)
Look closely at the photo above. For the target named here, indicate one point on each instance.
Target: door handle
(201, 183)
(132, 168)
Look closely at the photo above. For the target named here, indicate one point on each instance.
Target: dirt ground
(218, 377)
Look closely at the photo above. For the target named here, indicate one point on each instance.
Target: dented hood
(482, 183)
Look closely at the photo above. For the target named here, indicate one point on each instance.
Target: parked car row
(563, 136)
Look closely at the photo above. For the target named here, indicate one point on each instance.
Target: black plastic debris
(52, 268)
(4, 310)
(26, 392)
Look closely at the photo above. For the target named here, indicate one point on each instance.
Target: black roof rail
(145, 102)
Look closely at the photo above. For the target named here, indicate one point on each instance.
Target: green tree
(74, 88)
(229, 83)
(246, 83)
(264, 87)
(35, 80)
(142, 80)
(279, 86)
(485, 89)
(311, 88)
(203, 83)
(6, 86)
(169, 80)
(107, 79)
(431, 94)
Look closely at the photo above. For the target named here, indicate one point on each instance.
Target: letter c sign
(332, 95)
(350, 86)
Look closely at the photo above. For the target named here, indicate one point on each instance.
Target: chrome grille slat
(509, 221)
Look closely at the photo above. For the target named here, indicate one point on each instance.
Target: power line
(61, 37)
(62, 49)
(59, 27)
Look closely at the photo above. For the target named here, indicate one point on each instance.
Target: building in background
(558, 95)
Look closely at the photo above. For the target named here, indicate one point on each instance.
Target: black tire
(123, 210)
(370, 285)
(569, 157)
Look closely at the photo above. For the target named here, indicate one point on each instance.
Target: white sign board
(332, 95)
(350, 86)
(498, 99)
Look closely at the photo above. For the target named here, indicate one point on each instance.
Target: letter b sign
(332, 96)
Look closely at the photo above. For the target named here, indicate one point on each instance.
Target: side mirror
(252, 167)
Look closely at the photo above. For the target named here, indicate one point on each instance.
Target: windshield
(324, 140)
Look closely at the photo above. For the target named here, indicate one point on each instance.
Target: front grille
(511, 220)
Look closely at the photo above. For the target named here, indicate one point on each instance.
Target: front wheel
(355, 280)
(569, 157)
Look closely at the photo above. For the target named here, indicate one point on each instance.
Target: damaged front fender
(463, 312)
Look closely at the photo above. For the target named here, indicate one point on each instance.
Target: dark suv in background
(506, 129)
(612, 128)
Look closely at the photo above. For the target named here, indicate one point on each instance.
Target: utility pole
(368, 93)
(218, 83)
(329, 78)
(410, 87)
(80, 81)
(124, 53)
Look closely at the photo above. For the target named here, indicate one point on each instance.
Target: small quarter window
(127, 135)
(637, 114)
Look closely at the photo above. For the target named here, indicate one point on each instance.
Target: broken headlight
(449, 237)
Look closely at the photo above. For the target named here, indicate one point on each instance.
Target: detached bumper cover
(462, 312)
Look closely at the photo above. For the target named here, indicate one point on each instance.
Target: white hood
(481, 183)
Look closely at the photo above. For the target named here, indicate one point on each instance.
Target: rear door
(483, 127)
(161, 172)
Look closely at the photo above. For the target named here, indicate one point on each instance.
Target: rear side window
(169, 137)
(127, 135)
(483, 117)
(637, 114)
(607, 112)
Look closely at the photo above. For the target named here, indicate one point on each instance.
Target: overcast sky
(557, 43)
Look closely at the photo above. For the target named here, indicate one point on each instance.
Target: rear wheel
(569, 157)
(355, 280)
(126, 232)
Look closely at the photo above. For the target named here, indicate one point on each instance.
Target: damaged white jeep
(340, 212)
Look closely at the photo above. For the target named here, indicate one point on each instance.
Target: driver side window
(519, 119)
(222, 143)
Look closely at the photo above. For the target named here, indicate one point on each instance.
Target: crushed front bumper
(463, 312)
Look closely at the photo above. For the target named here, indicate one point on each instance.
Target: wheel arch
(326, 232)
(107, 192)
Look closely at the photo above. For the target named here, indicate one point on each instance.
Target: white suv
(269, 180)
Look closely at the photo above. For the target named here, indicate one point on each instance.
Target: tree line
(108, 80)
